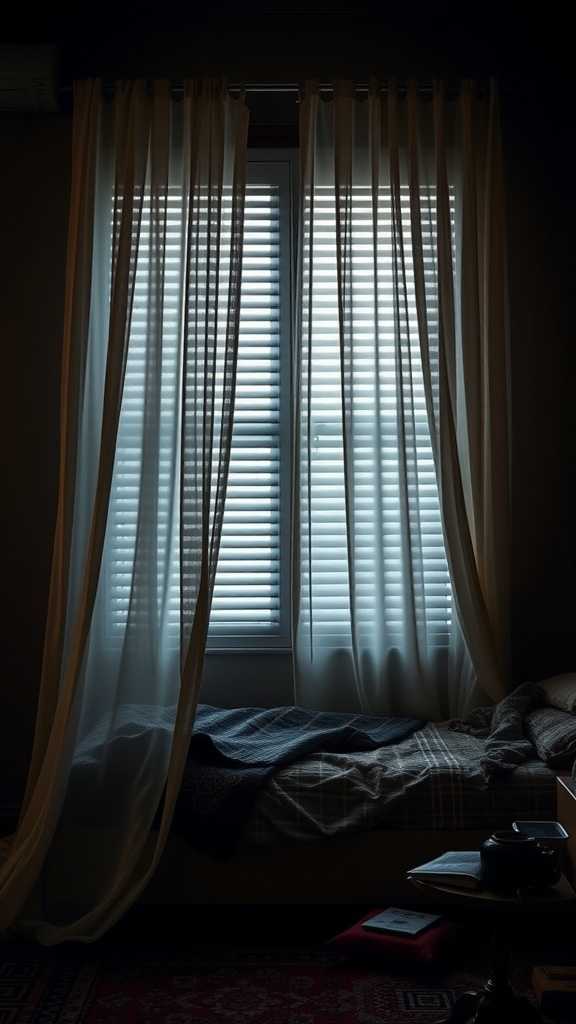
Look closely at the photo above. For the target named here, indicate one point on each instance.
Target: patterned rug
(217, 987)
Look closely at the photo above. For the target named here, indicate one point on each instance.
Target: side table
(497, 1002)
(566, 815)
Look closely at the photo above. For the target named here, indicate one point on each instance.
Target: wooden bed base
(352, 869)
(347, 869)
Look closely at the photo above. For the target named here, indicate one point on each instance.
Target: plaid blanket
(433, 779)
(234, 752)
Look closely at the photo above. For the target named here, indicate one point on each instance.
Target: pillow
(359, 942)
(560, 691)
(553, 733)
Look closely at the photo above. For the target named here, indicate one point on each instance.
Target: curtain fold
(148, 379)
(401, 497)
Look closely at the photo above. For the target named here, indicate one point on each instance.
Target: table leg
(496, 1002)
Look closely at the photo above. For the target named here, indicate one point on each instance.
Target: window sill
(249, 649)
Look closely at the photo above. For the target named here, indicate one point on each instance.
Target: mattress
(432, 780)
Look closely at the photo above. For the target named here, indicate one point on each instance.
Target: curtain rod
(281, 87)
(292, 87)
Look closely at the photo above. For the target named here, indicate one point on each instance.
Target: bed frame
(349, 869)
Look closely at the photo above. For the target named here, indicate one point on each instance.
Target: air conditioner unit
(28, 79)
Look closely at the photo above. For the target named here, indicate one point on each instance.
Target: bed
(343, 821)
(343, 827)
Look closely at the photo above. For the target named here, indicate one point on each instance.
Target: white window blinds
(251, 586)
(393, 515)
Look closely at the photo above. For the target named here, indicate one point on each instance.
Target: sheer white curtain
(401, 498)
(153, 284)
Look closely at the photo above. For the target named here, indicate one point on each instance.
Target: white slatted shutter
(378, 527)
(250, 596)
(251, 585)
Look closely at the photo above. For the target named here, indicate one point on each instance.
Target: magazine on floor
(395, 921)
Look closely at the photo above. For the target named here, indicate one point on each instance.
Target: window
(251, 599)
(250, 602)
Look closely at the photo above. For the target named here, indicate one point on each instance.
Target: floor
(251, 965)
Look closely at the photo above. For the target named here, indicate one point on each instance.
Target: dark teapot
(511, 861)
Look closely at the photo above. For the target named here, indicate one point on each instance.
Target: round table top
(561, 892)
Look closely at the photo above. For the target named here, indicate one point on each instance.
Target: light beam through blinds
(248, 585)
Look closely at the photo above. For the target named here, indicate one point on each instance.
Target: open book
(459, 868)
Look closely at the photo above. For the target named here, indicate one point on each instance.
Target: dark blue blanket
(233, 752)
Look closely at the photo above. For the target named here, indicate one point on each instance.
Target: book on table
(458, 869)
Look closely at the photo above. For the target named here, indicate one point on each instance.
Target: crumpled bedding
(322, 775)
(482, 772)
(232, 754)
(503, 729)
(435, 779)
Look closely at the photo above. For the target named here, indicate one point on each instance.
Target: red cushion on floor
(426, 946)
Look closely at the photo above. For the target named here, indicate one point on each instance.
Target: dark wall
(35, 160)
(542, 223)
